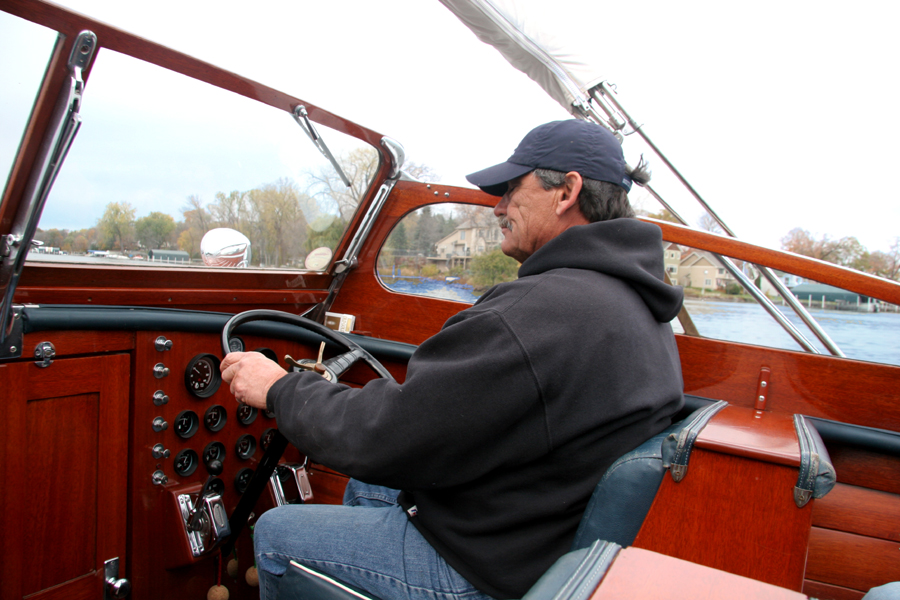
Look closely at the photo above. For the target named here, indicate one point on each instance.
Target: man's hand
(250, 375)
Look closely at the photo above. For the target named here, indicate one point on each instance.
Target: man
(510, 414)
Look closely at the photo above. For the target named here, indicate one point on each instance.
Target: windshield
(161, 159)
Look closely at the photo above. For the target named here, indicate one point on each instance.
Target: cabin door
(63, 455)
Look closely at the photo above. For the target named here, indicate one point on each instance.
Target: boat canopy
(566, 75)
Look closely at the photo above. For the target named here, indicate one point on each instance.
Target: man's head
(562, 174)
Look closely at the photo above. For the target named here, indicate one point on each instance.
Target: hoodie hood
(627, 249)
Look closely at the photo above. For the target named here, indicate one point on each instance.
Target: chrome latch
(114, 587)
(44, 352)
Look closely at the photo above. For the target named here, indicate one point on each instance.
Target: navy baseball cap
(574, 145)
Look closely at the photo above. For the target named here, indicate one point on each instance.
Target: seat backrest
(622, 498)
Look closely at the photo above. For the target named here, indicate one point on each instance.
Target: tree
(232, 211)
(280, 225)
(153, 231)
(492, 268)
(664, 215)
(360, 166)
(847, 251)
(117, 224)
(708, 223)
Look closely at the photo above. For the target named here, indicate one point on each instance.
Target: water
(873, 337)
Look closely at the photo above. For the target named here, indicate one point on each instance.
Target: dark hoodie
(510, 414)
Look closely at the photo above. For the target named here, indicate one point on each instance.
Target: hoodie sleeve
(463, 394)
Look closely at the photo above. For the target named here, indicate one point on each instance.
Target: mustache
(504, 223)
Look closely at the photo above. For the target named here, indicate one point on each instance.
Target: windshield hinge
(13, 337)
(302, 118)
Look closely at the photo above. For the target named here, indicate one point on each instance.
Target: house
(470, 238)
(702, 270)
(672, 258)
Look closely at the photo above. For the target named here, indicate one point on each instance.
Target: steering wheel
(334, 367)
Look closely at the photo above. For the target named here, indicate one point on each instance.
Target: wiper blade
(302, 117)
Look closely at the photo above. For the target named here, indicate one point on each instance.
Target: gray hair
(599, 200)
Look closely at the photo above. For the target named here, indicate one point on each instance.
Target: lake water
(871, 337)
(860, 335)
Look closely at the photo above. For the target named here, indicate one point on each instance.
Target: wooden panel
(851, 561)
(69, 343)
(65, 458)
(328, 486)
(733, 514)
(863, 468)
(87, 587)
(861, 511)
(824, 591)
(761, 435)
(62, 456)
(639, 574)
(808, 384)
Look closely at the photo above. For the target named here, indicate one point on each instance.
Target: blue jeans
(368, 543)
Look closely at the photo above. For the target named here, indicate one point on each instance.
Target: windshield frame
(184, 287)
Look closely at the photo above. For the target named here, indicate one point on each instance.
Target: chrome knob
(160, 398)
(162, 344)
(160, 370)
(159, 424)
(160, 451)
(118, 588)
(159, 478)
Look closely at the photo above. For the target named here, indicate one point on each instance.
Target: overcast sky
(781, 114)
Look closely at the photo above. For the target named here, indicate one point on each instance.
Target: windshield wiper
(302, 117)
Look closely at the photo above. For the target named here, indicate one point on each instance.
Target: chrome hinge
(11, 347)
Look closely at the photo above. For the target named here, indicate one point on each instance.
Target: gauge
(266, 438)
(202, 377)
(246, 414)
(213, 451)
(245, 446)
(236, 344)
(242, 480)
(268, 353)
(215, 418)
(216, 486)
(186, 424)
(186, 462)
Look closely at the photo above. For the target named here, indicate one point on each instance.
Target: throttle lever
(196, 521)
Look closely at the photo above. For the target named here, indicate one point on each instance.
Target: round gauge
(186, 462)
(268, 353)
(186, 424)
(236, 344)
(217, 486)
(245, 446)
(202, 377)
(213, 451)
(266, 438)
(246, 414)
(242, 480)
(215, 418)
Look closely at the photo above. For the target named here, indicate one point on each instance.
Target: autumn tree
(706, 222)
(117, 224)
(280, 225)
(329, 190)
(492, 268)
(154, 230)
(846, 251)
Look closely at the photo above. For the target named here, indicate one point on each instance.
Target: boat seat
(612, 519)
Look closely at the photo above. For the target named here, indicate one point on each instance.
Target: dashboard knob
(160, 451)
(214, 467)
(159, 424)
(159, 478)
(160, 398)
(160, 370)
(118, 588)
(162, 344)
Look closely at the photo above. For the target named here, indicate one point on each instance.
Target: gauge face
(242, 480)
(202, 377)
(217, 486)
(215, 418)
(236, 344)
(186, 424)
(245, 446)
(246, 414)
(266, 438)
(213, 451)
(186, 462)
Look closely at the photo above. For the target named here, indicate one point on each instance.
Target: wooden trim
(756, 434)
(851, 561)
(860, 511)
(825, 591)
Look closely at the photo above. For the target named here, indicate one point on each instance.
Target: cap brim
(493, 179)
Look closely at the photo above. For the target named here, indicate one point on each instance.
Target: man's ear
(570, 191)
